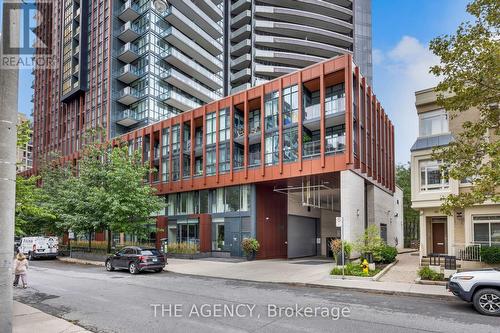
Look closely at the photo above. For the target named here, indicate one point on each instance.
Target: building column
(423, 234)
(450, 230)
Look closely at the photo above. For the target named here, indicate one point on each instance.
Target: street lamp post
(8, 137)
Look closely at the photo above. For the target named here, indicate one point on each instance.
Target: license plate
(155, 259)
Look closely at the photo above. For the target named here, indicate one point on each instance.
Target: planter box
(189, 256)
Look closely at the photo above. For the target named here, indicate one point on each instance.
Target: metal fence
(468, 252)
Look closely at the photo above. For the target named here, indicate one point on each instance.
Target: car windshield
(150, 252)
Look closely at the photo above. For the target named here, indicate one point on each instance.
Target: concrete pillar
(451, 235)
(423, 234)
(352, 204)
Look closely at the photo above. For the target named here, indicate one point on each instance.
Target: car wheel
(487, 302)
(132, 268)
(109, 266)
(158, 270)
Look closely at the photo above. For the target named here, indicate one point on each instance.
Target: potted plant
(336, 247)
(250, 247)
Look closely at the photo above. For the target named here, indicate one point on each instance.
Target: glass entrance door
(188, 231)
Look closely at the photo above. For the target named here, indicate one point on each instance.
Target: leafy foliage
(490, 254)
(183, 248)
(31, 215)
(426, 273)
(370, 242)
(403, 180)
(250, 245)
(336, 247)
(388, 254)
(109, 192)
(469, 67)
(353, 269)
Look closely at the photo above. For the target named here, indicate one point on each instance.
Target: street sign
(71, 235)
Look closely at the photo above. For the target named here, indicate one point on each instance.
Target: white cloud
(398, 73)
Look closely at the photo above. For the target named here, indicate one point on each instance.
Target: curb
(430, 283)
(338, 288)
(385, 270)
(81, 261)
(292, 284)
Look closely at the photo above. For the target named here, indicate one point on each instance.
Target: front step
(425, 261)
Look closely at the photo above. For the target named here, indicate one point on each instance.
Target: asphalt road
(119, 302)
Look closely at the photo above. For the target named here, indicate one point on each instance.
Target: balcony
(332, 145)
(254, 158)
(241, 48)
(128, 53)
(76, 51)
(241, 19)
(241, 76)
(188, 85)
(128, 74)
(128, 32)
(76, 33)
(183, 43)
(129, 11)
(200, 73)
(76, 17)
(198, 17)
(241, 62)
(239, 6)
(197, 34)
(128, 118)
(128, 95)
(242, 33)
(253, 135)
(178, 101)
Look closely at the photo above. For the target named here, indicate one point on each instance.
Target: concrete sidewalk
(307, 272)
(27, 319)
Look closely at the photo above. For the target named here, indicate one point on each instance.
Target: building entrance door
(438, 237)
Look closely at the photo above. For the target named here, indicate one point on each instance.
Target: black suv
(136, 259)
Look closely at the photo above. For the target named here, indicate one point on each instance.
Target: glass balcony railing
(332, 145)
(254, 158)
(129, 114)
(312, 111)
(129, 26)
(128, 91)
(184, 100)
(128, 47)
(129, 5)
(129, 69)
(335, 144)
(311, 148)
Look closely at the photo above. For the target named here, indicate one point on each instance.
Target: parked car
(17, 243)
(481, 287)
(39, 247)
(136, 259)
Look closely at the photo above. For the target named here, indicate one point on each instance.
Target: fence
(468, 252)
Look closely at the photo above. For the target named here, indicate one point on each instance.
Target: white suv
(482, 288)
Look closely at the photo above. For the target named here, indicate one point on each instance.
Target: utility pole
(8, 141)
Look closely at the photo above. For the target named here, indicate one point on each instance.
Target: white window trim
(489, 222)
(444, 185)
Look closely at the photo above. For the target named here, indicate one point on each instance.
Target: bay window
(432, 177)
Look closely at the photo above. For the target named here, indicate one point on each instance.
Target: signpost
(339, 222)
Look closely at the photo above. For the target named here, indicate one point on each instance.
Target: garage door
(301, 236)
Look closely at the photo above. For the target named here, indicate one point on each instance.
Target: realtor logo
(22, 41)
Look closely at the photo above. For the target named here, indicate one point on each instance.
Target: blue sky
(402, 30)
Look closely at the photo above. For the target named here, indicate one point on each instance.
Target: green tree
(31, 215)
(109, 192)
(469, 68)
(411, 216)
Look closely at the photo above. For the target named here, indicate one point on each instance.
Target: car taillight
(143, 258)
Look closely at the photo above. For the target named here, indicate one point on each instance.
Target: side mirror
(118, 254)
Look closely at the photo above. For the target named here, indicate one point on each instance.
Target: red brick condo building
(278, 162)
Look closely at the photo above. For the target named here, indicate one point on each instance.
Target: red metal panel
(205, 222)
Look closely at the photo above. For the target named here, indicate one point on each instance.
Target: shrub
(426, 273)
(490, 254)
(250, 245)
(370, 242)
(183, 248)
(336, 247)
(353, 269)
(388, 254)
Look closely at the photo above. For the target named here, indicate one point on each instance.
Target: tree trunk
(109, 241)
(90, 240)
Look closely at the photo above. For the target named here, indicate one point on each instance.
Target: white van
(39, 247)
